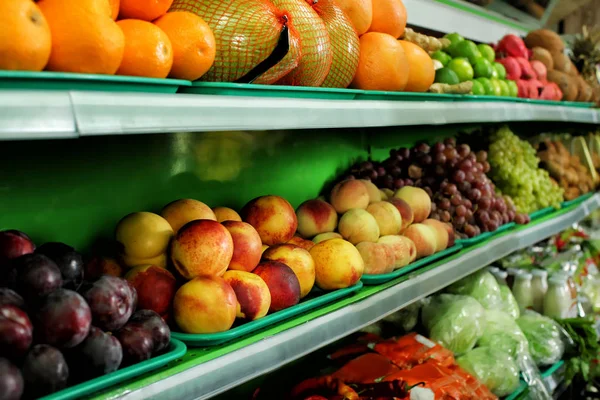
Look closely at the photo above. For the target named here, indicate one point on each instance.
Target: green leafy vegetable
(494, 368)
(585, 351)
(502, 333)
(544, 337)
(482, 286)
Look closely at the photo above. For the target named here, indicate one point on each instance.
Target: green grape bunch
(516, 173)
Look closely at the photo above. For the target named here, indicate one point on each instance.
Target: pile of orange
(125, 37)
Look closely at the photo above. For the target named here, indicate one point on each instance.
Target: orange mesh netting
(344, 42)
(247, 32)
(317, 54)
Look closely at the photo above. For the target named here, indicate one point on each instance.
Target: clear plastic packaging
(494, 368)
(482, 286)
(456, 322)
(509, 303)
(502, 333)
(544, 336)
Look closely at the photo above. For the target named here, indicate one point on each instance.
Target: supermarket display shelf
(71, 114)
(272, 350)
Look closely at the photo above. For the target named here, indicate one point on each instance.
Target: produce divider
(203, 373)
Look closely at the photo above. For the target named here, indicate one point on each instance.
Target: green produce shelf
(206, 372)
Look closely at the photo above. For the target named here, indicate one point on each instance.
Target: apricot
(298, 241)
(180, 212)
(226, 214)
(326, 236)
(406, 212)
(205, 305)
(418, 200)
(424, 238)
(247, 247)
(374, 194)
(441, 234)
(338, 264)
(155, 288)
(273, 217)
(252, 293)
(375, 257)
(387, 216)
(357, 225)
(349, 194)
(202, 248)
(404, 249)
(159, 261)
(282, 282)
(143, 234)
(315, 217)
(299, 260)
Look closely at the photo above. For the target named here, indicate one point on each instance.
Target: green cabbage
(494, 368)
(456, 322)
(509, 303)
(502, 333)
(482, 286)
(544, 337)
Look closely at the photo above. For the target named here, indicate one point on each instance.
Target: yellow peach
(424, 238)
(419, 201)
(349, 194)
(374, 195)
(326, 236)
(180, 212)
(441, 234)
(375, 257)
(226, 214)
(387, 216)
(338, 264)
(404, 249)
(143, 234)
(357, 225)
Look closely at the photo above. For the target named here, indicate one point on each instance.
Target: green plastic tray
(176, 350)
(248, 89)
(480, 98)
(486, 235)
(578, 200)
(318, 298)
(541, 213)
(557, 103)
(404, 96)
(383, 278)
(26, 80)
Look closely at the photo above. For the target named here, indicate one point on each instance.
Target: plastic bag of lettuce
(544, 337)
(456, 322)
(492, 367)
(482, 286)
(502, 333)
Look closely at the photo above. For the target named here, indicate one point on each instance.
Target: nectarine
(252, 294)
(326, 236)
(155, 287)
(298, 241)
(441, 234)
(316, 216)
(406, 212)
(180, 212)
(419, 201)
(404, 249)
(375, 257)
(282, 282)
(159, 261)
(273, 217)
(298, 259)
(374, 194)
(143, 234)
(98, 266)
(247, 246)
(424, 238)
(357, 225)
(226, 214)
(349, 194)
(338, 264)
(387, 216)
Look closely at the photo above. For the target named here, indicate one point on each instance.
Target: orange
(360, 13)
(194, 46)
(389, 16)
(382, 64)
(84, 37)
(421, 70)
(148, 50)
(114, 7)
(25, 41)
(147, 10)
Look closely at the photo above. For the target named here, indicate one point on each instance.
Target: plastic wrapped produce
(544, 337)
(492, 367)
(482, 286)
(456, 322)
(509, 303)
(502, 333)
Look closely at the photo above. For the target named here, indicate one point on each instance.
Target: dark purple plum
(112, 301)
(14, 244)
(11, 381)
(69, 262)
(37, 276)
(9, 296)
(99, 354)
(16, 332)
(153, 323)
(137, 343)
(63, 320)
(45, 371)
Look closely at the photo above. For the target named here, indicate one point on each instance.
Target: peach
(388, 192)
(99, 266)
(451, 234)
(384, 195)
(326, 236)
(298, 259)
(403, 248)
(282, 282)
(143, 234)
(298, 241)
(418, 200)
(441, 234)
(357, 225)
(205, 305)
(387, 216)
(155, 288)
(180, 212)
(374, 195)
(338, 264)
(252, 293)
(314, 217)
(375, 256)
(390, 254)
(202, 248)
(247, 247)
(273, 218)
(226, 214)
(263, 248)
(159, 261)
(424, 238)
(406, 212)
(349, 194)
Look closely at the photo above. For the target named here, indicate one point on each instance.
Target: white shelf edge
(221, 374)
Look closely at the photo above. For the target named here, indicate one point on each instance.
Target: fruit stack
(58, 329)
(465, 61)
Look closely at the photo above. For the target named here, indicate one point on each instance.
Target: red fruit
(527, 71)
(512, 45)
(15, 331)
(540, 69)
(14, 244)
(551, 91)
(523, 88)
(513, 69)
(534, 86)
